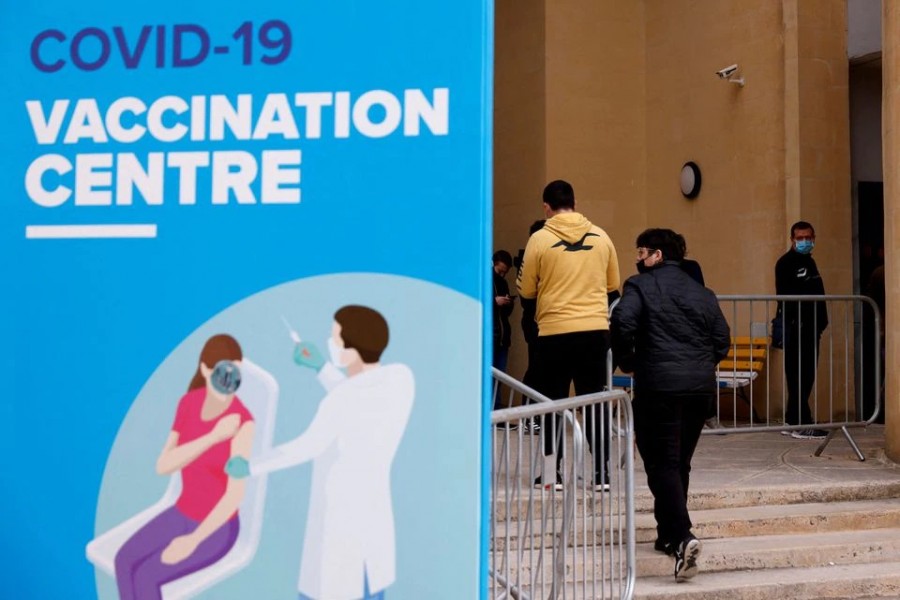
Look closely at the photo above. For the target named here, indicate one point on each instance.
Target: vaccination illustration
(288, 447)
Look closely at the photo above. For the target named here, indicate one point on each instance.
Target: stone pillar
(817, 163)
(891, 146)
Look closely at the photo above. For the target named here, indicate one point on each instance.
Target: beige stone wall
(595, 112)
(628, 93)
(818, 141)
(519, 116)
(568, 105)
(735, 134)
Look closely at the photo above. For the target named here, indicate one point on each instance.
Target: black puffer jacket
(669, 330)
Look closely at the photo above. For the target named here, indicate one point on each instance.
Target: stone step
(876, 580)
(515, 503)
(783, 519)
(781, 551)
(709, 524)
(702, 499)
(734, 554)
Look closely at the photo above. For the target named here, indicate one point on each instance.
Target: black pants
(667, 428)
(531, 373)
(578, 357)
(801, 355)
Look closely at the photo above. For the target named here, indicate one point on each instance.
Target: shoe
(603, 486)
(540, 485)
(665, 547)
(531, 427)
(809, 434)
(686, 556)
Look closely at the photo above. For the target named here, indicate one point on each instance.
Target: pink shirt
(203, 481)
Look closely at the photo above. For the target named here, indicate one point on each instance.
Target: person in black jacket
(529, 324)
(691, 267)
(796, 274)
(670, 332)
(503, 307)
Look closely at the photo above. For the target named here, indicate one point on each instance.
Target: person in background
(796, 274)
(530, 332)
(503, 307)
(691, 267)
(570, 266)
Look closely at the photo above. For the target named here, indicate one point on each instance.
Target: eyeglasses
(645, 252)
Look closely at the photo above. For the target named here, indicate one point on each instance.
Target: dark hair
(364, 330)
(536, 226)
(502, 256)
(664, 240)
(559, 194)
(682, 244)
(802, 225)
(218, 347)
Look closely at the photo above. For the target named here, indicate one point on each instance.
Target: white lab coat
(352, 441)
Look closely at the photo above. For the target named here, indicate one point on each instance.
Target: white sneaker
(809, 434)
(686, 555)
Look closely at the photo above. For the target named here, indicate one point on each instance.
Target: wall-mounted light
(690, 180)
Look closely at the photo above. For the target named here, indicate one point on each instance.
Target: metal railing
(838, 360)
(841, 367)
(572, 540)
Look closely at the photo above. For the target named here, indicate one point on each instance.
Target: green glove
(237, 467)
(307, 355)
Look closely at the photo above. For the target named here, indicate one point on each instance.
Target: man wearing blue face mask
(796, 274)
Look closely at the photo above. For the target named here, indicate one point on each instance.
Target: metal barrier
(844, 381)
(572, 540)
(843, 373)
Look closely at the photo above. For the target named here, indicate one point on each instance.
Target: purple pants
(140, 572)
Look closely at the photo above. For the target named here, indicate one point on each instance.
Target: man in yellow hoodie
(569, 268)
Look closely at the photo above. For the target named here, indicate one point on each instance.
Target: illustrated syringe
(294, 335)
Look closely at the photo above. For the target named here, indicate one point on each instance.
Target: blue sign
(245, 286)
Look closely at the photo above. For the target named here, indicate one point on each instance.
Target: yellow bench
(745, 361)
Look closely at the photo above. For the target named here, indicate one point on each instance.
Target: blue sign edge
(487, 218)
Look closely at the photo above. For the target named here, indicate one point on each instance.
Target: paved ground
(753, 460)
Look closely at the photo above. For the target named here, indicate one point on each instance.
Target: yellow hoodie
(569, 266)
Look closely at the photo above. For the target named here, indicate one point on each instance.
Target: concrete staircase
(777, 522)
(802, 542)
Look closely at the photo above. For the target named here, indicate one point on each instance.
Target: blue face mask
(226, 377)
(805, 246)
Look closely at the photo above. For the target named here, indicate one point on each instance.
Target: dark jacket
(669, 330)
(797, 275)
(501, 313)
(692, 268)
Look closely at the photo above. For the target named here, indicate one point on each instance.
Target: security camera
(727, 74)
(727, 71)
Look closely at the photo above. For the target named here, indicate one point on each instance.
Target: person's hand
(179, 549)
(307, 355)
(237, 467)
(226, 428)
(502, 300)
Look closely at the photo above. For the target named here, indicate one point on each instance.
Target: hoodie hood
(570, 227)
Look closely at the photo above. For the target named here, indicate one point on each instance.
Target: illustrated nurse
(349, 550)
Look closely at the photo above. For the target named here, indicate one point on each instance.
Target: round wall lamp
(690, 180)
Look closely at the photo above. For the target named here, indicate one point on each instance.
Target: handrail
(544, 406)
